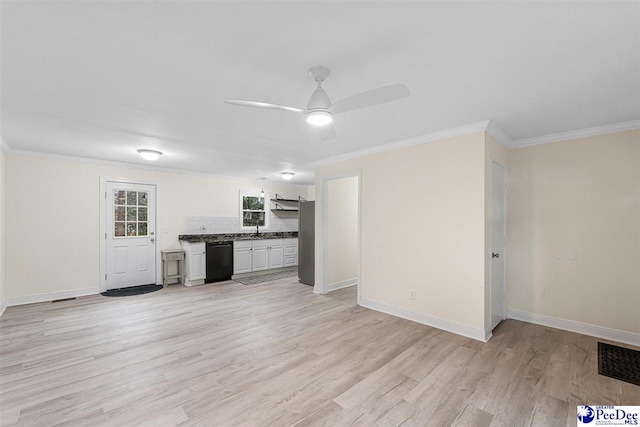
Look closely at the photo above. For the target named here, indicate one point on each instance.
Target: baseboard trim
(3, 307)
(32, 299)
(577, 327)
(425, 319)
(340, 285)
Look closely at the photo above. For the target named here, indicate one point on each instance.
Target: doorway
(129, 241)
(340, 267)
(498, 242)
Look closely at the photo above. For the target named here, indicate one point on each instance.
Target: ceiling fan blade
(371, 97)
(258, 104)
(327, 132)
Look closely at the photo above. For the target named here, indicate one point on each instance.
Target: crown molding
(404, 143)
(495, 131)
(574, 134)
(114, 163)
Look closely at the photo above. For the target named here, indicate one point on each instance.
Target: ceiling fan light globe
(319, 118)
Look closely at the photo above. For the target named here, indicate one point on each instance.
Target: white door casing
(322, 286)
(128, 232)
(498, 243)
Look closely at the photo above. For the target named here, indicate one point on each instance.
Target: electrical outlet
(412, 294)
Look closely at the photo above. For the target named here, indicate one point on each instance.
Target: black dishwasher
(219, 261)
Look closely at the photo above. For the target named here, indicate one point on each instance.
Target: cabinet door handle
(495, 255)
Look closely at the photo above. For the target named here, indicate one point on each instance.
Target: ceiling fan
(320, 110)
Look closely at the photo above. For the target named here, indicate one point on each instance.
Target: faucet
(257, 229)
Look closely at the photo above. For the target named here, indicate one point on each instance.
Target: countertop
(215, 238)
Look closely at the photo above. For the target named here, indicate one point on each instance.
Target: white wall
(574, 230)
(2, 232)
(422, 228)
(52, 216)
(343, 230)
(311, 193)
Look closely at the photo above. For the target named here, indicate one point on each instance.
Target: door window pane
(142, 214)
(131, 229)
(119, 213)
(143, 197)
(132, 214)
(119, 229)
(131, 198)
(119, 197)
(142, 229)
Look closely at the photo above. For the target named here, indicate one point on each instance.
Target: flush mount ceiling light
(320, 110)
(287, 175)
(149, 154)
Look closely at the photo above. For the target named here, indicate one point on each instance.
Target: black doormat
(133, 290)
(618, 362)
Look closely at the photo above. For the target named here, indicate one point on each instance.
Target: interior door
(498, 190)
(130, 235)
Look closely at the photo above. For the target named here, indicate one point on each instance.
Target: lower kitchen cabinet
(276, 256)
(258, 255)
(290, 252)
(242, 256)
(195, 262)
(260, 259)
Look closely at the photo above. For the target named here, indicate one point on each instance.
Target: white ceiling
(102, 79)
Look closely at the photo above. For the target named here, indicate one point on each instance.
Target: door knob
(153, 240)
(495, 255)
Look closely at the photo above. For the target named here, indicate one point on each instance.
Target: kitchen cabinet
(242, 256)
(276, 256)
(290, 252)
(260, 259)
(267, 254)
(258, 255)
(195, 262)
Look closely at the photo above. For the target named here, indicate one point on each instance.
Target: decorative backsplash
(231, 224)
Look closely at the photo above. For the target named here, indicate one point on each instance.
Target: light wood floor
(276, 354)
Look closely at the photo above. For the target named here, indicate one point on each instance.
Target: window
(253, 210)
(130, 213)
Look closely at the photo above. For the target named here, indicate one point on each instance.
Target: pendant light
(262, 190)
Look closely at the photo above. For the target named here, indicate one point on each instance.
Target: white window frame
(267, 209)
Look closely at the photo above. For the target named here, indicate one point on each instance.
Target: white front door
(130, 234)
(498, 189)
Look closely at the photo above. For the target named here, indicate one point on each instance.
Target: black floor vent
(618, 362)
